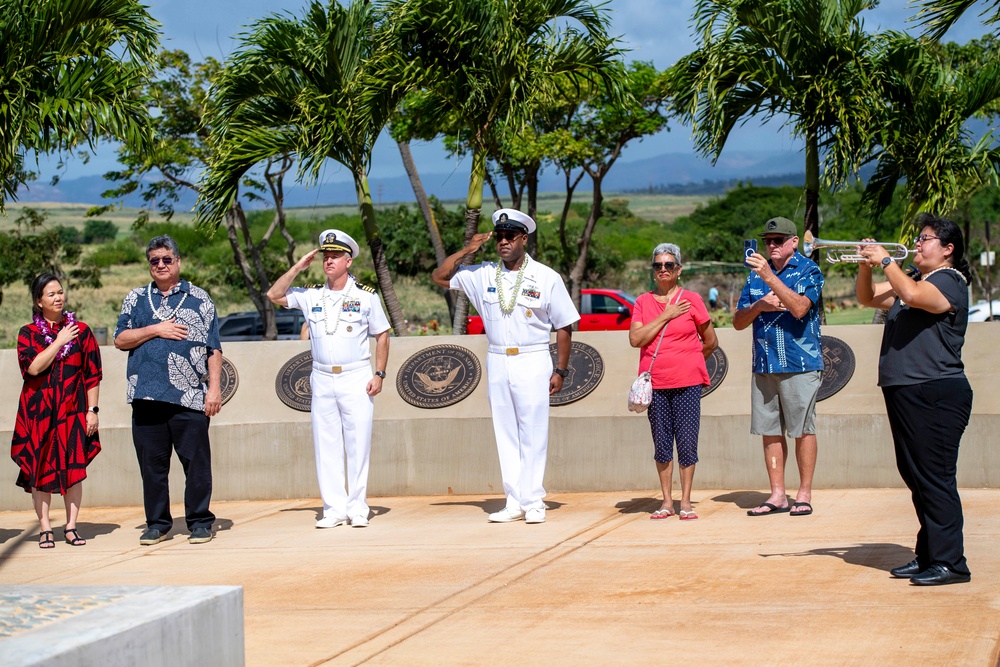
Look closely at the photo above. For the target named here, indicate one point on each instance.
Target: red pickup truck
(600, 310)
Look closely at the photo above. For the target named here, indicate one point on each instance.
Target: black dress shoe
(938, 575)
(906, 571)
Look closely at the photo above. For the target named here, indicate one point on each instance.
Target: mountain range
(659, 173)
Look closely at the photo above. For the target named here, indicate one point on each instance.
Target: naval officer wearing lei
(341, 315)
(521, 302)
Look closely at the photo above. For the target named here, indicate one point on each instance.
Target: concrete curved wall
(263, 449)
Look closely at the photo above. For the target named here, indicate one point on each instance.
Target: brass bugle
(846, 251)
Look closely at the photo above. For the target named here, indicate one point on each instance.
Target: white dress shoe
(359, 521)
(534, 515)
(506, 515)
(331, 522)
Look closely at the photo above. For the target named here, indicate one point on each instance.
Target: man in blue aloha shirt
(171, 332)
(780, 299)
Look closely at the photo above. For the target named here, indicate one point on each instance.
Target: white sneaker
(331, 522)
(506, 515)
(534, 515)
(359, 521)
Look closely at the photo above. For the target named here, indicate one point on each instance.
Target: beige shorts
(784, 403)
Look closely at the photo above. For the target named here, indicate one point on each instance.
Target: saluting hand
(306, 260)
(478, 240)
(172, 329)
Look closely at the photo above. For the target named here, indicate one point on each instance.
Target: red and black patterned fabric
(50, 442)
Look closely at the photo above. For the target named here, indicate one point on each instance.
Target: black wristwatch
(561, 371)
(886, 261)
(381, 374)
(95, 409)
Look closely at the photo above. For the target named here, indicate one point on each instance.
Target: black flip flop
(806, 513)
(772, 509)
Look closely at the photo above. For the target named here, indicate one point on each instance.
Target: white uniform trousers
(519, 401)
(342, 424)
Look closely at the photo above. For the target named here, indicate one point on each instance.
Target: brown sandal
(77, 541)
(46, 542)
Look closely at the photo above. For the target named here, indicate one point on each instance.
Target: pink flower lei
(43, 326)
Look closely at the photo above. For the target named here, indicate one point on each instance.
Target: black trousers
(158, 429)
(927, 422)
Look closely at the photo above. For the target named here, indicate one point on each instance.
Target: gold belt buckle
(510, 351)
(336, 369)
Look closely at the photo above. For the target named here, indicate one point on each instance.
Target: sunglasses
(155, 261)
(506, 235)
(780, 240)
(926, 237)
(664, 266)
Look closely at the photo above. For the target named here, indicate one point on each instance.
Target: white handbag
(640, 394)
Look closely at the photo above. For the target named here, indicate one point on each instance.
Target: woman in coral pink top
(675, 321)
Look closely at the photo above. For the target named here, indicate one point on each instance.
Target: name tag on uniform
(491, 289)
(353, 306)
(317, 309)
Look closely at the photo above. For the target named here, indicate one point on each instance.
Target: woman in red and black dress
(55, 435)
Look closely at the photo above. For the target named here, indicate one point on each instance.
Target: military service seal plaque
(838, 367)
(438, 376)
(718, 365)
(292, 383)
(586, 370)
(230, 380)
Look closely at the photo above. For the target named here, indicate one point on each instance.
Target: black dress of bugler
(929, 401)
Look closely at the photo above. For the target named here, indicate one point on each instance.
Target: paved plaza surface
(430, 582)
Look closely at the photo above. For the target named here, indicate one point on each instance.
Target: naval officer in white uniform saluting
(341, 314)
(521, 302)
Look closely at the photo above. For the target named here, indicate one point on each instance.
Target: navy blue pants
(927, 422)
(158, 429)
(675, 414)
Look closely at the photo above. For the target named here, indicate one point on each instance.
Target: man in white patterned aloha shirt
(171, 332)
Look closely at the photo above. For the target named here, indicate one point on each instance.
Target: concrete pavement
(430, 582)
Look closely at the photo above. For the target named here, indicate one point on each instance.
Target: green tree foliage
(937, 16)
(68, 73)
(98, 231)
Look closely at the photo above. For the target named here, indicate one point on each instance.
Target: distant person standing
(521, 302)
(713, 297)
(341, 314)
(171, 333)
(780, 299)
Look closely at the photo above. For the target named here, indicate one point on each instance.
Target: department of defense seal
(717, 365)
(230, 380)
(292, 382)
(586, 370)
(438, 376)
(838, 367)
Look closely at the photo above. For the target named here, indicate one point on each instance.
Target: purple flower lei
(43, 326)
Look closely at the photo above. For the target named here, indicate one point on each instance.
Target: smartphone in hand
(749, 248)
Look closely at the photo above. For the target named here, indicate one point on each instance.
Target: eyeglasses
(926, 237)
(663, 266)
(155, 261)
(506, 235)
(776, 240)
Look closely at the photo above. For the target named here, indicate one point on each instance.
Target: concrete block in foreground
(151, 626)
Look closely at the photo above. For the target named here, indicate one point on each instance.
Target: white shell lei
(338, 311)
(507, 308)
(945, 268)
(156, 311)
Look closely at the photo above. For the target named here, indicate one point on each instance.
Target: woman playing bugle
(927, 396)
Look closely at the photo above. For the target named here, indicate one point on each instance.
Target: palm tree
(807, 60)
(304, 88)
(937, 16)
(68, 72)
(483, 63)
(923, 136)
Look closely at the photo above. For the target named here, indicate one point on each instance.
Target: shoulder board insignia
(365, 288)
(314, 286)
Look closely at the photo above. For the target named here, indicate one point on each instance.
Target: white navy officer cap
(513, 220)
(333, 239)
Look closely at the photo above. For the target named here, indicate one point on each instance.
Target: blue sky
(653, 30)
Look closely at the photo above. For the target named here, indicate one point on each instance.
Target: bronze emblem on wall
(586, 369)
(838, 367)
(230, 380)
(438, 376)
(718, 365)
(292, 383)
